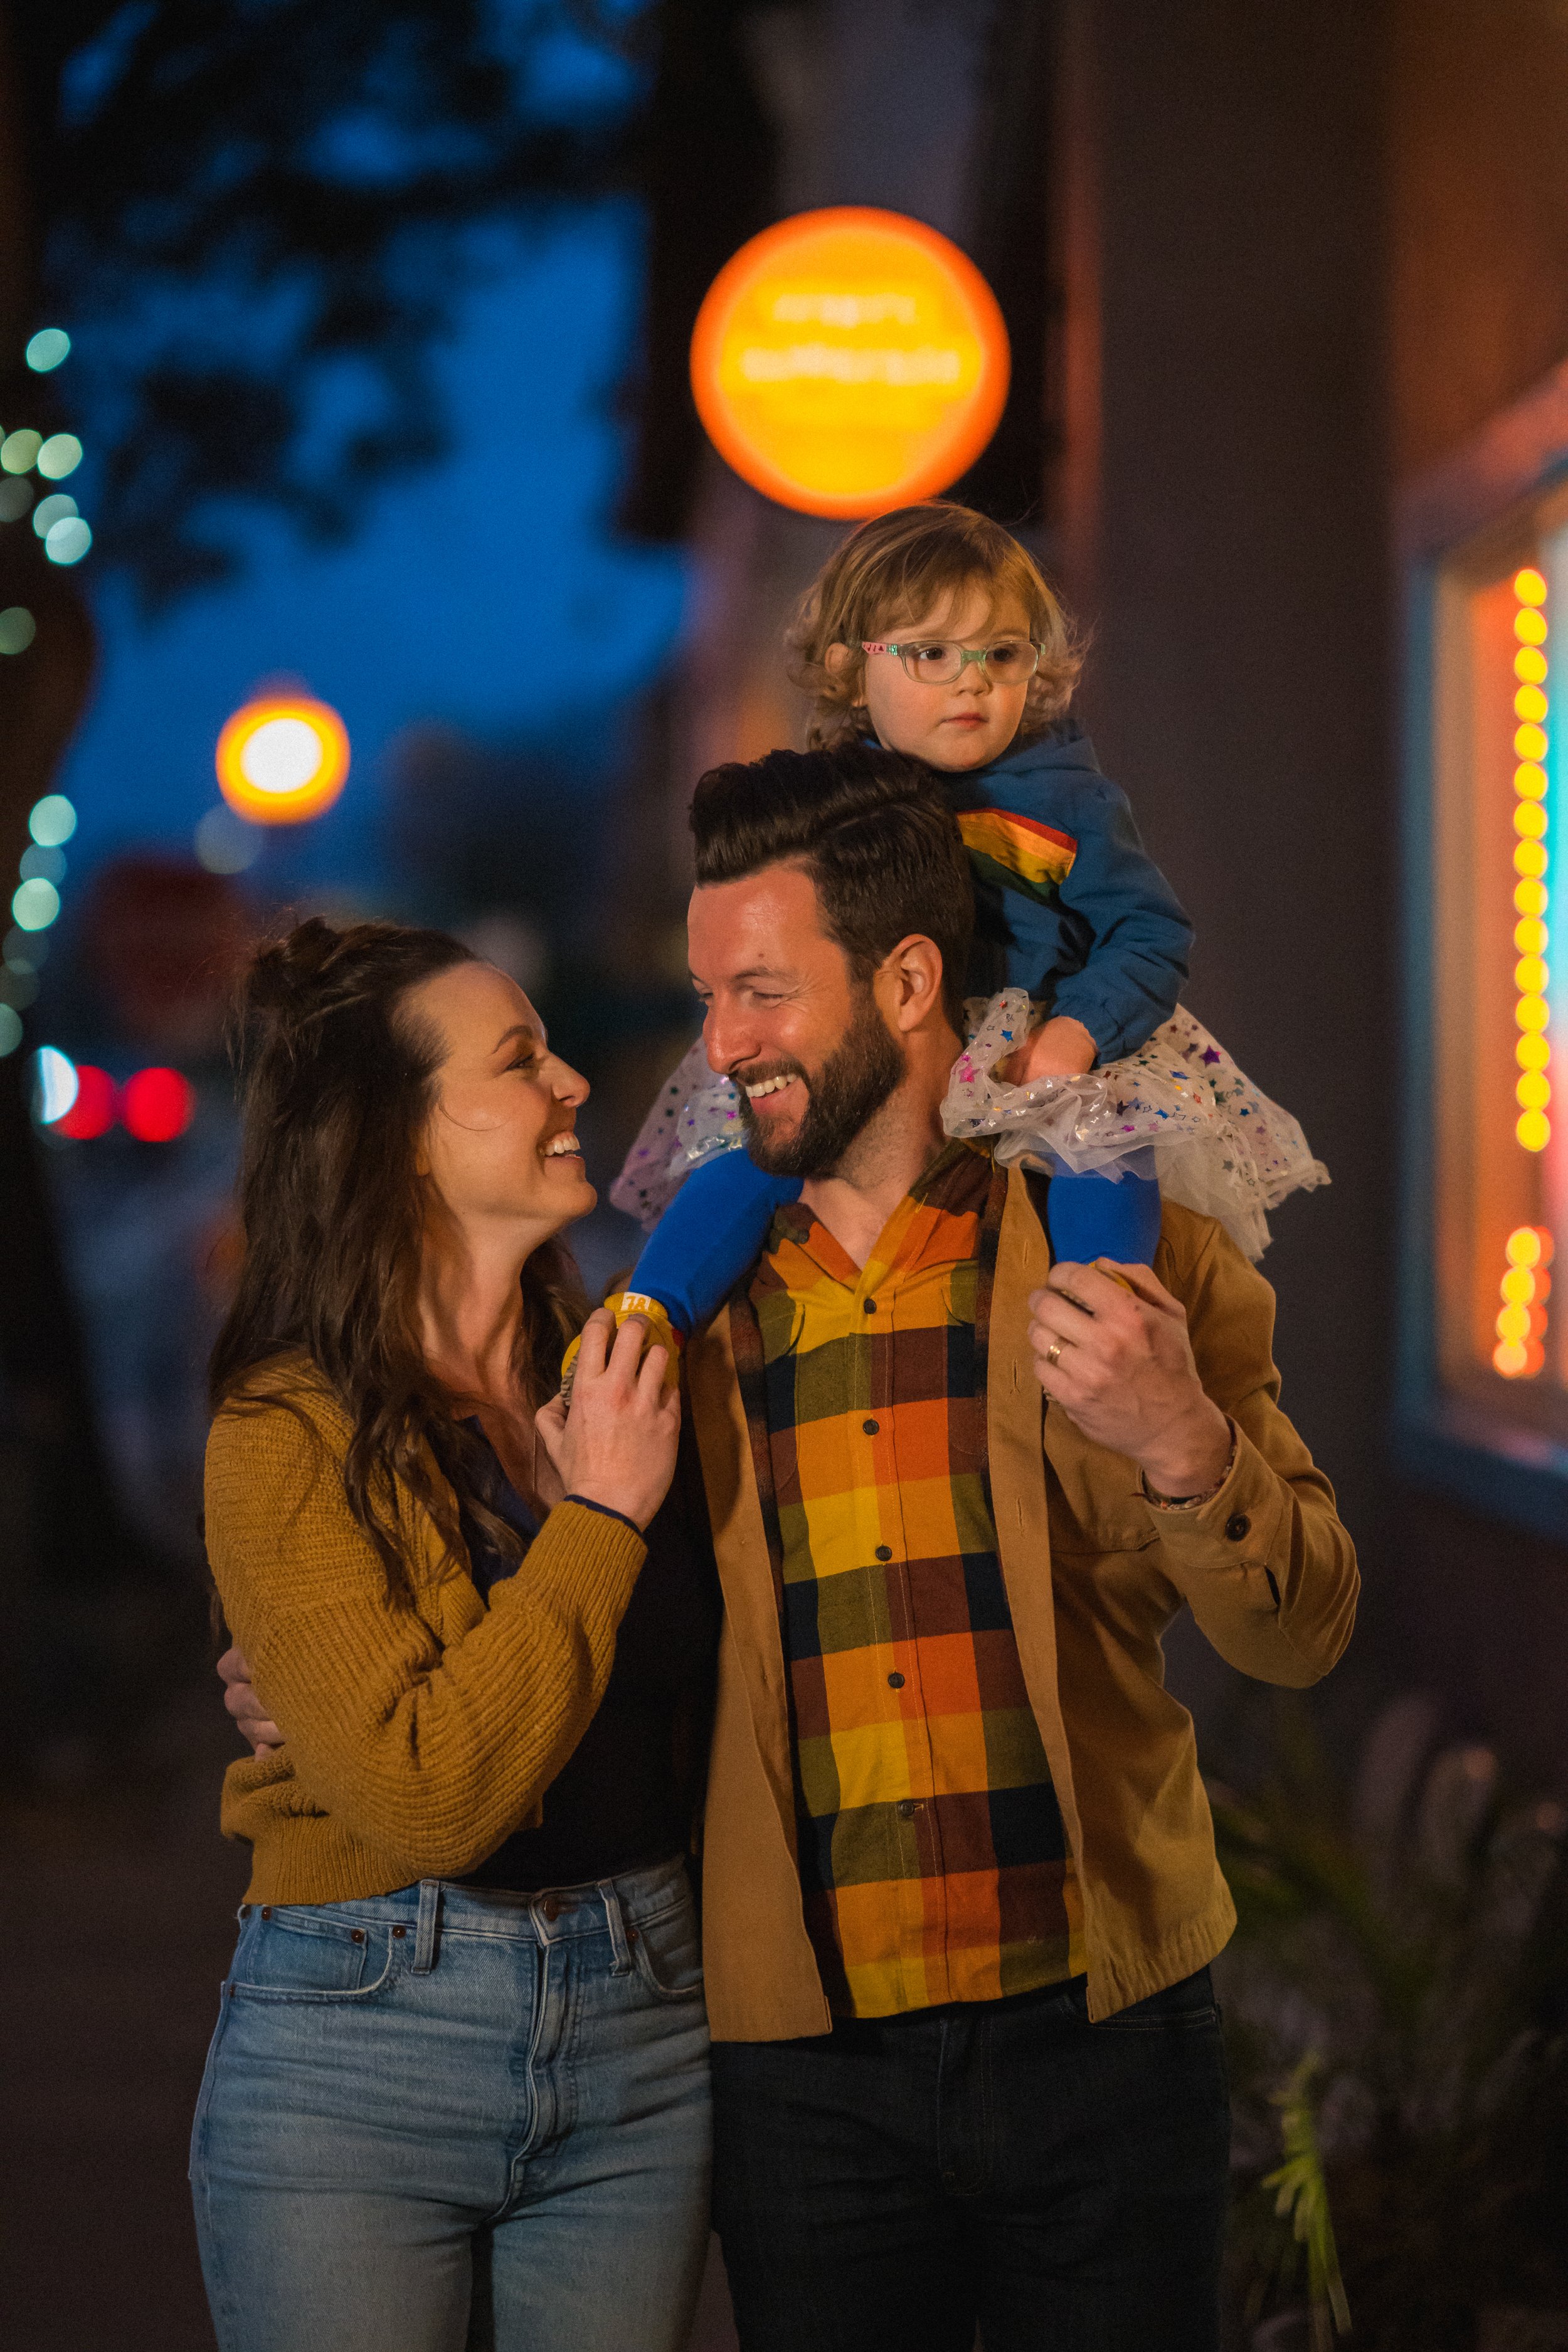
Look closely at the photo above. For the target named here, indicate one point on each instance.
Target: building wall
(1307, 254)
(1477, 206)
(1223, 529)
(1478, 213)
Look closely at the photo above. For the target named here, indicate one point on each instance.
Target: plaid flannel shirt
(932, 1859)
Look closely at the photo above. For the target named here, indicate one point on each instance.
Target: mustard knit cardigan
(419, 1731)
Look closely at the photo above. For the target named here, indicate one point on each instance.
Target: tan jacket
(1094, 1574)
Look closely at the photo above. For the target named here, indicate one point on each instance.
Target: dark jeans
(888, 2187)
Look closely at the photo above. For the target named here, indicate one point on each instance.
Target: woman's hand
(617, 1443)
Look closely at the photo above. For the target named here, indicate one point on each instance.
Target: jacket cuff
(1106, 1022)
(1234, 1534)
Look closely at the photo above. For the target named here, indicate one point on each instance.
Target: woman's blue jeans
(448, 2120)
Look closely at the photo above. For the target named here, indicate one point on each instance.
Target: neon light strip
(1519, 1352)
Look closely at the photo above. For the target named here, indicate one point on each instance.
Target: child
(933, 632)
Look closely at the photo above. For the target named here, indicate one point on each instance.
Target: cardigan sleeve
(1266, 1567)
(433, 1751)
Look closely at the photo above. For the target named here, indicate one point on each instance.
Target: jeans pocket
(1188, 2003)
(309, 1952)
(668, 1952)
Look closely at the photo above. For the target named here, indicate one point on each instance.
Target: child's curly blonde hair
(889, 573)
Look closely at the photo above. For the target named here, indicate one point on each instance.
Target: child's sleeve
(709, 1235)
(1127, 924)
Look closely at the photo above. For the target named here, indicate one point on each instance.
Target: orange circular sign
(283, 759)
(849, 362)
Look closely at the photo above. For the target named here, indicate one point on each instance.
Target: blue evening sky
(468, 598)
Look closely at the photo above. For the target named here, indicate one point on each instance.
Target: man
(959, 1875)
(959, 1880)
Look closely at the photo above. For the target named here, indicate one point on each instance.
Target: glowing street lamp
(282, 759)
(850, 360)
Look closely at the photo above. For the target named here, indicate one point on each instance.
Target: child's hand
(1059, 1048)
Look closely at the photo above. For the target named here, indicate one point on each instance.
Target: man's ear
(913, 971)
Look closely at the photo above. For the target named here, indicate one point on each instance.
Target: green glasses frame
(966, 654)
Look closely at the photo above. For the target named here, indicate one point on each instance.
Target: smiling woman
(473, 1789)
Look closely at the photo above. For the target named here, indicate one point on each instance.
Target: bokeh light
(1529, 585)
(35, 905)
(225, 843)
(10, 1030)
(51, 819)
(48, 863)
(282, 759)
(58, 508)
(16, 497)
(68, 541)
(19, 451)
(47, 348)
(93, 1113)
(17, 629)
(157, 1105)
(61, 455)
(53, 1084)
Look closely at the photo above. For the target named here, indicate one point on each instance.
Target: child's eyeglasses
(937, 661)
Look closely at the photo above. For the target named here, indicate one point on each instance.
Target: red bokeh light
(93, 1113)
(157, 1105)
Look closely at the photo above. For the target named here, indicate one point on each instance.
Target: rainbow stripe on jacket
(1017, 852)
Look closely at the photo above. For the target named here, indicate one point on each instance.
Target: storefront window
(1495, 1216)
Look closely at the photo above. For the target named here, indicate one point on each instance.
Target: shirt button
(868, 1306)
(884, 1552)
(871, 1427)
(895, 1682)
(906, 1809)
(1238, 1527)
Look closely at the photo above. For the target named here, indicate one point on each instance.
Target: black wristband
(609, 1513)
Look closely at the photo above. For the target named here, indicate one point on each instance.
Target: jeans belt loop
(615, 1919)
(424, 1930)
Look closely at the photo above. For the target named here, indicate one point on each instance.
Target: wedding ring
(1054, 1352)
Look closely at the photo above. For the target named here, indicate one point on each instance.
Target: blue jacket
(1068, 902)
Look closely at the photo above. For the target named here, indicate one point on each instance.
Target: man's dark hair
(872, 830)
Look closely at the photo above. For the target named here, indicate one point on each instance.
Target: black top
(627, 1795)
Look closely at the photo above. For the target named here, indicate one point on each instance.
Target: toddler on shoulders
(933, 632)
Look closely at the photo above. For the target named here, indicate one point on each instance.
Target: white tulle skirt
(1220, 1145)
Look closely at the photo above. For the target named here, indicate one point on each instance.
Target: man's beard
(846, 1093)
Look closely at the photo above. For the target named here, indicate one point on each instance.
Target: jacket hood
(1066, 751)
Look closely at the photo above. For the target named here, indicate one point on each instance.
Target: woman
(457, 2096)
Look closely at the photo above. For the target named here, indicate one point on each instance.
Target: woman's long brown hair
(336, 1084)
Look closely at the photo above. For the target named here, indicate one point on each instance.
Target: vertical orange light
(1519, 1352)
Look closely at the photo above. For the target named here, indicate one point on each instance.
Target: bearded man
(960, 1884)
